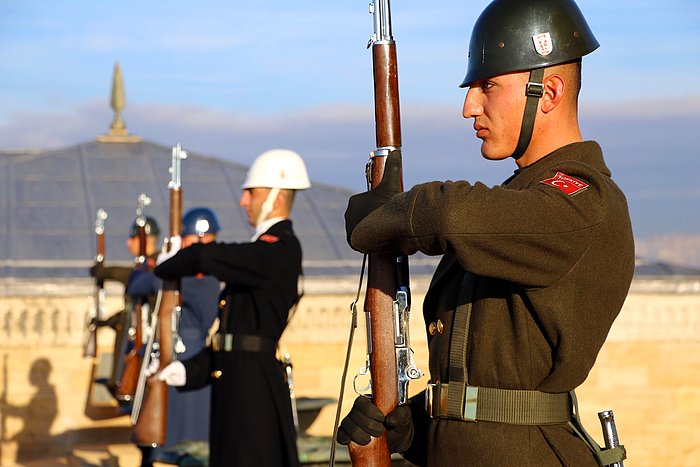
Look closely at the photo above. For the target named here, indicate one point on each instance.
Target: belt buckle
(429, 402)
(471, 395)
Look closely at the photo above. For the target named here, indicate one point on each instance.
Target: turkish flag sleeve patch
(267, 238)
(565, 183)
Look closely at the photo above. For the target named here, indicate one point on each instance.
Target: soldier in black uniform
(533, 271)
(251, 417)
(126, 275)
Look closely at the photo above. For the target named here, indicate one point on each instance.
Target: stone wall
(648, 371)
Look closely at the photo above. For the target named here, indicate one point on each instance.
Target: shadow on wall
(34, 439)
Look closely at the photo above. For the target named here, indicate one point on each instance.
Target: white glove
(175, 244)
(174, 374)
(152, 369)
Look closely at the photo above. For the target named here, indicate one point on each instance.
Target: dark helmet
(199, 221)
(518, 35)
(151, 228)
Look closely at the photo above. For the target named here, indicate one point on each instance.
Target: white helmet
(278, 168)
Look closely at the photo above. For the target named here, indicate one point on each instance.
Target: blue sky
(229, 79)
(277, 55)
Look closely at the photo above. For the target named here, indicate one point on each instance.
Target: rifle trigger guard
(364, 371)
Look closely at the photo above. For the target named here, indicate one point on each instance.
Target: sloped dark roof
(48, 203)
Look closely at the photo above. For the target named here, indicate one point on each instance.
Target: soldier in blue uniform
(186, 419)
(188, 414)
(251, 415)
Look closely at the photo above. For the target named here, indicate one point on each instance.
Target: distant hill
(678, 249)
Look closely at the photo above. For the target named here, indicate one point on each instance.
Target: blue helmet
(199, 221)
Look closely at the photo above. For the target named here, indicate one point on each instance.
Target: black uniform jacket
(251, 417)
(553, 255)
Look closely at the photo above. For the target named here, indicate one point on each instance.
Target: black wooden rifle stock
(150, 426)
(126, 387)
(381, 271)
(90, 346)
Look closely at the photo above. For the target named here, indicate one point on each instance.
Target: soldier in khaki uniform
(534, 271)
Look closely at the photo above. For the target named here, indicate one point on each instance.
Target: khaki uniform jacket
(553, 257)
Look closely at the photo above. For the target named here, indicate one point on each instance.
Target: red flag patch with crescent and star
(565, 183)
(269, 238)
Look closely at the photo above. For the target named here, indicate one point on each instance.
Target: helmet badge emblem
(543, 43)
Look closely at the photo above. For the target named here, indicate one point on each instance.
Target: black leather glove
(113, 321)
(366, 420)
(97, 270)
(363, 204)
(399, 429)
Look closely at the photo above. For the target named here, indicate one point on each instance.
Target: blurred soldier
(251, 416)
(125, 275)
(188, 411)
(534, 271)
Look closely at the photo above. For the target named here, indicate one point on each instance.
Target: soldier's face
(497, 105)
(132, 243)
(252, 200)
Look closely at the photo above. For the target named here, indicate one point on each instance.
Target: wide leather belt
(243, 342)
(517, 407)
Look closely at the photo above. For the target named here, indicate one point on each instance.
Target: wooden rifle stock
(150, 427)
(90, 347)
(381, 272)
(126, 387)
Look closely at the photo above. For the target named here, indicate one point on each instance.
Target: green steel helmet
(199, 221)
(520, 35)
(151, 228)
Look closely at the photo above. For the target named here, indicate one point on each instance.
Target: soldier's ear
(554, 87)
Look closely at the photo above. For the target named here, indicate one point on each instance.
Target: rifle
(150, 353)
(90, 345)
(292, 395)
(387, 299)
(612, 442)
(126, 387)
(150, 426)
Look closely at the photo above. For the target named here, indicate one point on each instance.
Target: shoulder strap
(457, 371)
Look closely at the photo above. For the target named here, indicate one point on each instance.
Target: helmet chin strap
(534, 91)
(267, 205)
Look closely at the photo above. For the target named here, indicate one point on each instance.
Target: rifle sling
(458, 400)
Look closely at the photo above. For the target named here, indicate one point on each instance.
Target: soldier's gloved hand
(97, 270)
(152, 368)
(174, 374)
(113, 321)
(399, 429)
(363, 204)
(175, 245)
(366, 420)
(362, 422)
